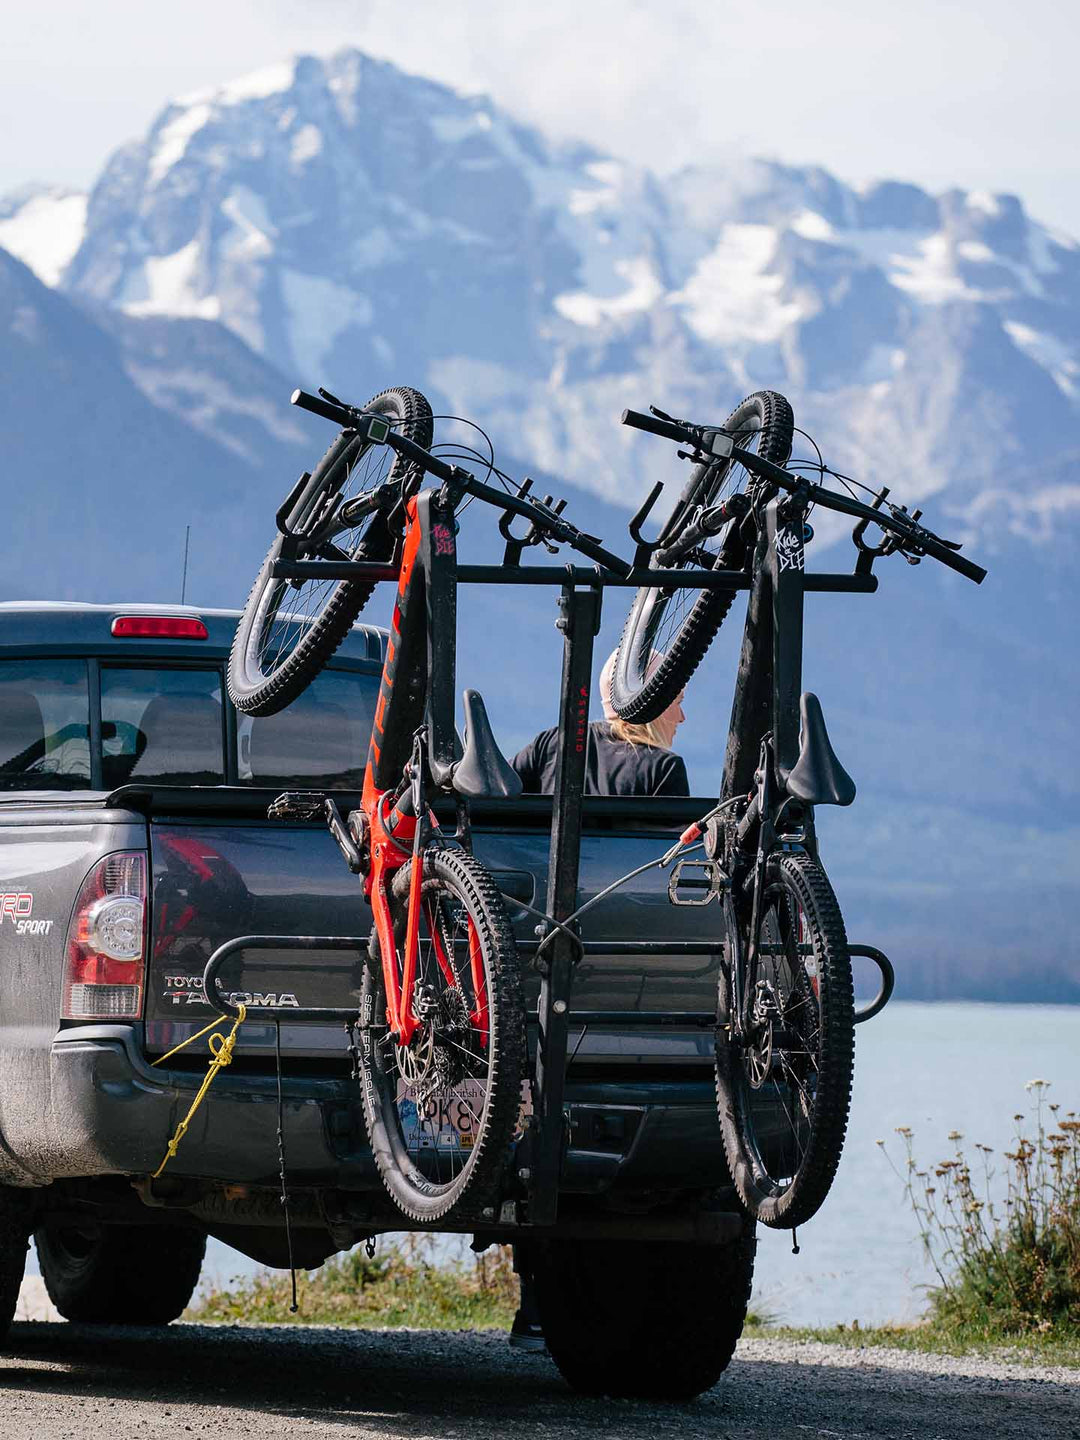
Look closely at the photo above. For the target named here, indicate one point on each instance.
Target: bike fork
(765, 838)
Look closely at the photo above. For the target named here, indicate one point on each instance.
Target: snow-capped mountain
(349, 222)
(338, 222)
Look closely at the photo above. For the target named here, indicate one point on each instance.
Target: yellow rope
(189, 1041)
(222, 1054)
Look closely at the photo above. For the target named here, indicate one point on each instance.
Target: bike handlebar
(669, 429)
(917, 537)
(339, 414)
(351, 418)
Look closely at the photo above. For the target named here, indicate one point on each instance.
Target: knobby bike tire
(783, 1139)
(416, 1181)
(646, 681)
(261, 681)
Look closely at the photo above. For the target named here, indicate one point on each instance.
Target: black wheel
(784, 1090)
(643, 1319)
(120, 1274)
(15, 1226)
(290, 628)
(669, 629)
(443, 1111)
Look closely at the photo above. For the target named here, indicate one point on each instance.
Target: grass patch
(401, 1286)
(1059, 1345)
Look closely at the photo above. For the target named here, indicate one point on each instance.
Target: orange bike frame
(417, 681)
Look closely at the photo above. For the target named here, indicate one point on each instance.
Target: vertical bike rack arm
(579, 623)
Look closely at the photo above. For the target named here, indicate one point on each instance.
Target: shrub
(1005, 1263)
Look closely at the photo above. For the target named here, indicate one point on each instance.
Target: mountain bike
(785, 1008)
(441, 1053)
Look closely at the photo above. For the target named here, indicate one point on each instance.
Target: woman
(622, 759)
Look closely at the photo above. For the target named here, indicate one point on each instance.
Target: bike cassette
(711, 880)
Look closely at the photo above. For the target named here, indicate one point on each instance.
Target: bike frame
(417, 680)
(764, 739)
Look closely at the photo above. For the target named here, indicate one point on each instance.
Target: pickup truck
(135, 839)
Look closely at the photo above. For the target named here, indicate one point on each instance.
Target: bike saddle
(483, 773)
(817, 776)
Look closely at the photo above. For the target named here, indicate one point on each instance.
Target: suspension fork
(766, 838)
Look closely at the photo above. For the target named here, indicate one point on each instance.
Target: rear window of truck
(173, 725)
(319, 742)
(44, 725)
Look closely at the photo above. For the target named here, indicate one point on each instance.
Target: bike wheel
(784, 1090)
(442, 1112)
(670, 628)
(290, 628)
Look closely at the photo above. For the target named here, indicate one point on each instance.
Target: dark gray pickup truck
(134, 840)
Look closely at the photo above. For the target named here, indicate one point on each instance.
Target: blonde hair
(625, 730)
(642, 734)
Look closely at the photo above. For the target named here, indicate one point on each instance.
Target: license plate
(447, 1120)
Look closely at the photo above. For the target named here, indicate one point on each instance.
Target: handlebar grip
(318, 406)
(960, 563)
(666, 428)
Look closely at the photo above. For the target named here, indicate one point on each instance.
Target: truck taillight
(106, 944)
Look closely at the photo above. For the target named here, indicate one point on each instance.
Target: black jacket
(612, 767)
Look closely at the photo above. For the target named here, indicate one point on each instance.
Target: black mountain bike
(785, 1010)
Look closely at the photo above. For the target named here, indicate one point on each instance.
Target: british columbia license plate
(448, 1120)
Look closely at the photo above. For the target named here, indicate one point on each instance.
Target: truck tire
(120, 1274)
(15, 1223)
(642, 1320)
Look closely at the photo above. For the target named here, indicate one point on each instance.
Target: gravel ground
(191, 1381)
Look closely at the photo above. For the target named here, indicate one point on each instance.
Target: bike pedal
(710, 880)
(297, 805)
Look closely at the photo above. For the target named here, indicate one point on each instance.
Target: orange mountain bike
(442, 1049)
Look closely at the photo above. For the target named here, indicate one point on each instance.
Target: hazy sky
(974, 94)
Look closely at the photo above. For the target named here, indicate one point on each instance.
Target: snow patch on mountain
(173, 137)
(44, 229)
(170, 285)
(734, 295)
(319, 310)
(255, 231)
(643, 290)
(1049, 352)
(257, 85)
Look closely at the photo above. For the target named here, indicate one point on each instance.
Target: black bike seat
(817, 776)
(483, 773)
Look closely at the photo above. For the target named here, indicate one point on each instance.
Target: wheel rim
(779, 1063)
(664, 611)
(75, 1244)
(436, 1093)
(288, 609)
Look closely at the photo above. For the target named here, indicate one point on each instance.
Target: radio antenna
(183, 582)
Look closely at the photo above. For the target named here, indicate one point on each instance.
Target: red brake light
(106, 943)
(159, 627)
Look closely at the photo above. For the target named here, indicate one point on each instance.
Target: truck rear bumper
(114, 1114)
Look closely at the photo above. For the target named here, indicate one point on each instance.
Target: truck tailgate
(214, 880)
